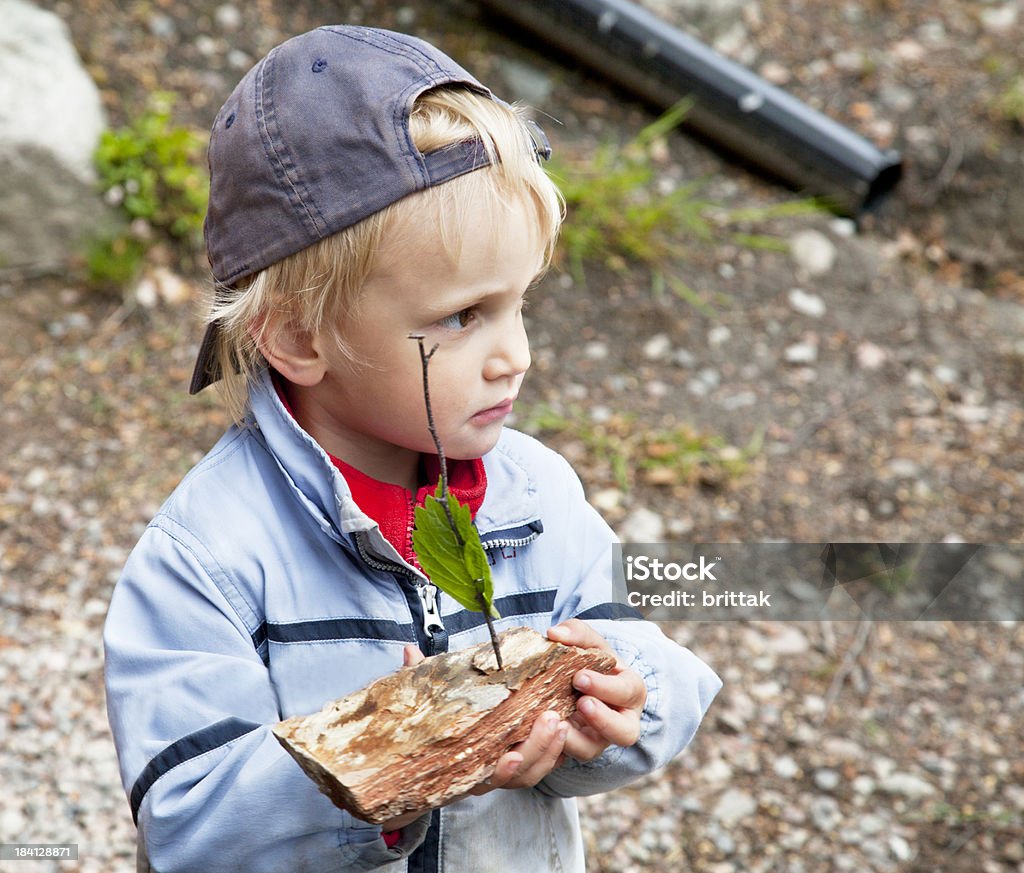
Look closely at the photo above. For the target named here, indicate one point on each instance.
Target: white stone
(596, 350)
(786, 767)
(657, 347)
(228, 17)
(607, 499)
(813, 252)
(717, 771)
(907, 785)
(900, 848)
(904, 468)
(826, 779)
(825, 813)
(870, 356)
(801, 353)
(51, 119)
(642, 526)
(1005, 564)
(719, 335)
(810, 305)
(733, 806)
(843, 227)
(863, 785)
(1000, 19)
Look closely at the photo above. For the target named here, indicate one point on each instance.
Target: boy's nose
(511, 353)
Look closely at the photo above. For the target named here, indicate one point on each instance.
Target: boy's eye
(457, 320)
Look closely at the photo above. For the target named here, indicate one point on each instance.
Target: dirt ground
(881, 403)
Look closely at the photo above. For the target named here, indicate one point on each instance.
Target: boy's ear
(291, 351)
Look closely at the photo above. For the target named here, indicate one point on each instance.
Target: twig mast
(425, 357)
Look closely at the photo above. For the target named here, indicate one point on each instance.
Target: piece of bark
(418, 738)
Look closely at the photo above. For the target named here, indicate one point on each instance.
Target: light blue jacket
(261, 591)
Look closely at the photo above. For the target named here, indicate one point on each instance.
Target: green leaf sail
(454, 559)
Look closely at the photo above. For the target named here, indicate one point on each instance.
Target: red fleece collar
(392, 506)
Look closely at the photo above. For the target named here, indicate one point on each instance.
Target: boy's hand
(609, 711)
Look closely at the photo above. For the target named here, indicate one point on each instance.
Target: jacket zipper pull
(431, 614)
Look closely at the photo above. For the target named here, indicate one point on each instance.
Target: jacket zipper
(509, 544)
(430, 630)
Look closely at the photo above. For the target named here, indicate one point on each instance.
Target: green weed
(676, 456)
(1009, 104)
(617, 215)
(153, 173)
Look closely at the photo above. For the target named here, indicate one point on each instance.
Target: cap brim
(207, 370)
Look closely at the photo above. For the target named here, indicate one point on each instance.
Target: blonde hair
(315, 289)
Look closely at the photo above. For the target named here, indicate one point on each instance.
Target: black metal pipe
(733, 107)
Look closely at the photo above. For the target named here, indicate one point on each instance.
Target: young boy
(364, 188)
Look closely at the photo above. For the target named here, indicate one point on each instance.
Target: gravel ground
(878, 399)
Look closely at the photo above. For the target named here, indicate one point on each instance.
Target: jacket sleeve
(191, 704)
(680, 686)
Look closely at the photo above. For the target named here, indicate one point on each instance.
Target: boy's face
(371, 413)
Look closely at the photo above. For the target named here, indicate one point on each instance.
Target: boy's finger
(411, 656)
(578, 633)
(541, 751)
(583, 744)
(618, 727)
(625, 690)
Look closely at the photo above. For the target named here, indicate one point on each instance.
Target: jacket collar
(510, 502)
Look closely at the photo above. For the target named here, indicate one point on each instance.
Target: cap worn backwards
(314, 139)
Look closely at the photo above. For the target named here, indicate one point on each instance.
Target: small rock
(786, 767)
(870, 356)
(228, 17)
(848, 61)
(528, 82)
(871, 824)
(970, 413)
(813, 252)
(810, 305)
(825, 813)
(162, 26)
(945, 374)
(863, 785)
(719, 335)
(908, 50)
(596, 350)
(900, 848)
(826, 779)
(1005, 564)
(36, 478)
(239, 60)
(787, 641)
(717, 771)
(710, 377)
(907, 785)
(1000, 19)
(801, 353)
(657, 347)
(684, 358)
(607, 499)
(843, 227)
(739, 400)
(904, 468)
(643, 526)
(775, 73)
(733, 806)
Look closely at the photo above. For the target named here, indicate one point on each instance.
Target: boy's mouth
(494, 413)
